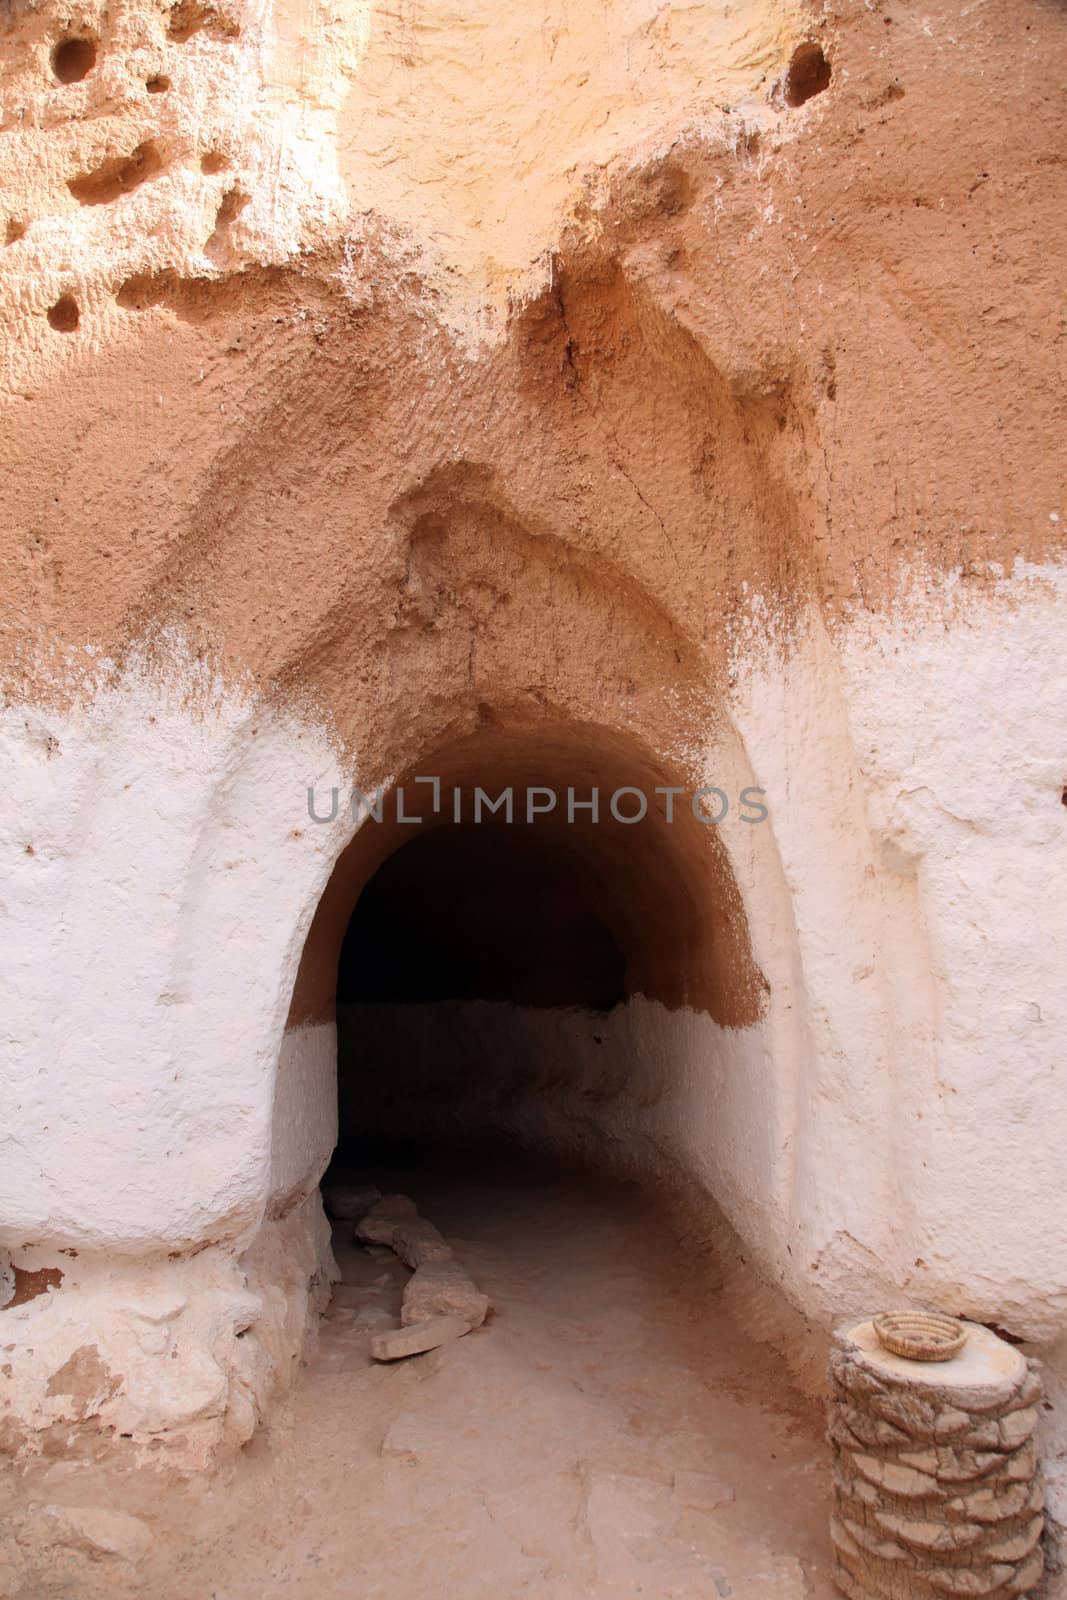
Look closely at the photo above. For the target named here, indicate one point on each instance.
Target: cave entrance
(468, 950)
(532, 950)
(490, 934)
(538, 1010)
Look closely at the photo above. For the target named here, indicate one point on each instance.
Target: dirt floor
(610, 1431)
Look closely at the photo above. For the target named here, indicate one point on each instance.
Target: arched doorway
(532, 938)
(535, 1003)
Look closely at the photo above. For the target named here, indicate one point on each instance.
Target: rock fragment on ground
(93, 1530)
(418, 1338)
(443, 1288)
(440, 1296)
(414, 1240)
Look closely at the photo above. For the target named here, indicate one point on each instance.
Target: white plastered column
(161, 872)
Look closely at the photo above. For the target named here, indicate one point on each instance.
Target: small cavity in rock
(64, 316)
(808, 74)
(73, 59)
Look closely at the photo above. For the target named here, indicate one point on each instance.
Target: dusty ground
(609, 1432)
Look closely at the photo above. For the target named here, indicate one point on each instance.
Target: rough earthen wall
(383, 387)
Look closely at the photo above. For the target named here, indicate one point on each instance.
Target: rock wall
(175, 1354)
(726, 455)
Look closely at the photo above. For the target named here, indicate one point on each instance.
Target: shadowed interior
(489, 912)
(483, 973)
(660, 891)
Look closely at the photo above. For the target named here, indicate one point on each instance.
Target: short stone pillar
(936, 1486)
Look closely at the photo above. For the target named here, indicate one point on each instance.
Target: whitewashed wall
(894, 1127)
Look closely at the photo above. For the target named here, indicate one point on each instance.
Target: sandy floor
(608, 1432)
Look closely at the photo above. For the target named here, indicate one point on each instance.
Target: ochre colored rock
(418, 1338)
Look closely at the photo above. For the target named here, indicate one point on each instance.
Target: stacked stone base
(936, 1483)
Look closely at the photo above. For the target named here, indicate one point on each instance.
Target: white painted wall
(914, 766)
(960, 728)
(893, 1129)
(160, 874)
(304, 1113)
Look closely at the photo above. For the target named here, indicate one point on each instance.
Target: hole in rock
(15, 231)
(73, 59)
(217, 248)
(119, 176)
(808, 74)
(158, 85)
(64, 315)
